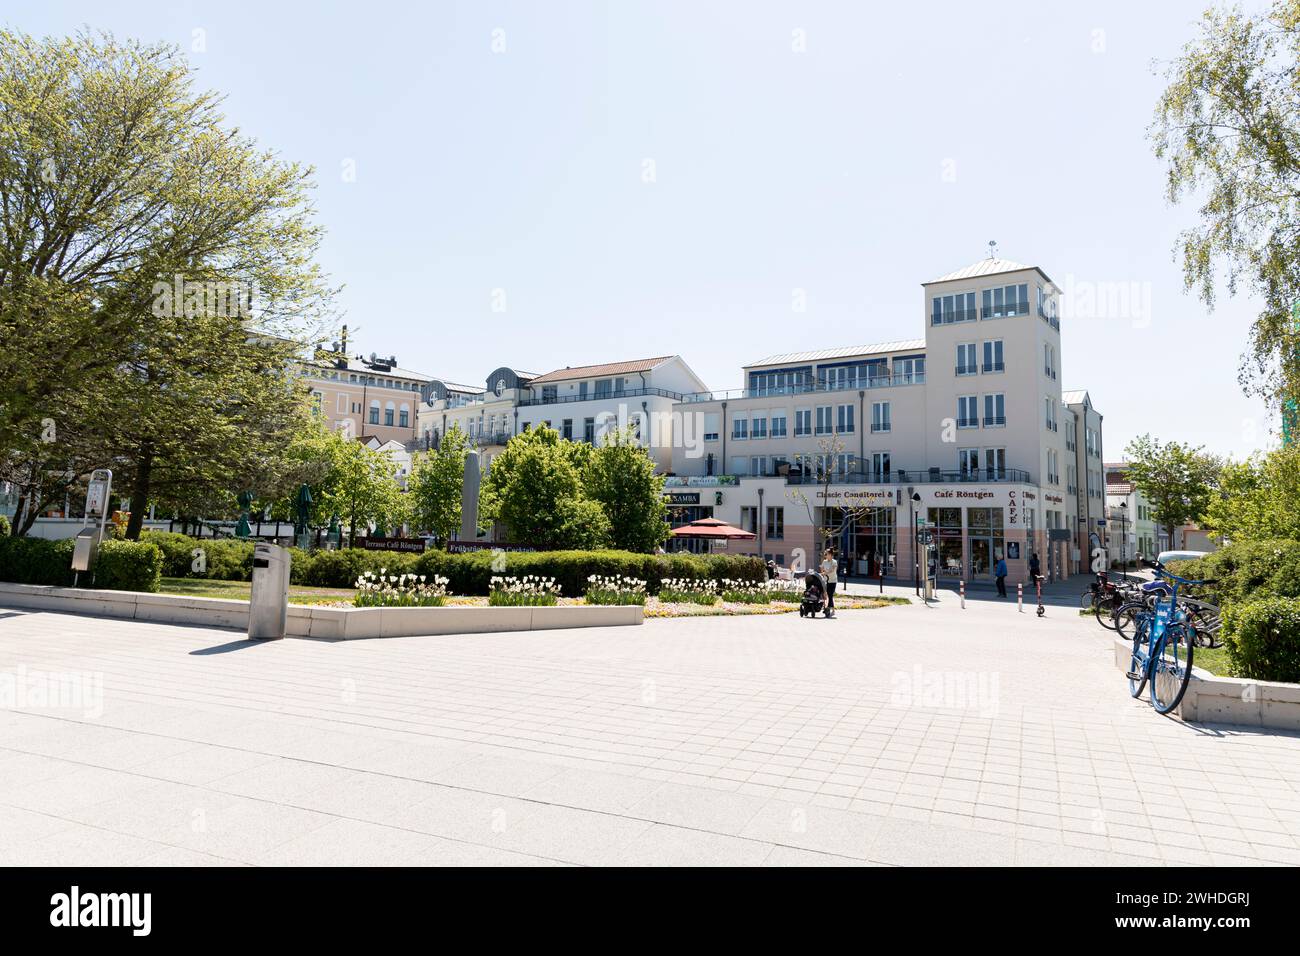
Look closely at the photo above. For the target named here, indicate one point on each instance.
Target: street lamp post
(1123, 538)
(916, 553)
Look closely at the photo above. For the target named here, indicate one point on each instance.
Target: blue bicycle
(1163, 640)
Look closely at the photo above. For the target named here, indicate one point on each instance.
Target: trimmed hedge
(231, 560)
(1263, 639)
(129, 566)
(121, 565)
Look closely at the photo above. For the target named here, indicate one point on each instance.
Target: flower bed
(399, 590)
(531, 590)
(615, 589)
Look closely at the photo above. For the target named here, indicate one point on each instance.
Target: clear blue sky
(889, 152)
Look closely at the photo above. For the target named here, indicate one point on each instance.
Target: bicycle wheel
(1205, 624)
(1126, 617)
(1137, 622)
(1171, 669)
(1106, 606)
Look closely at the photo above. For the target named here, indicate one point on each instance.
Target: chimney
(345, 340)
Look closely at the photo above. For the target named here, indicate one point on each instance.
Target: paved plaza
(904, 735)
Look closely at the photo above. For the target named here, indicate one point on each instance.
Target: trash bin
(268, 605)
(85, 547)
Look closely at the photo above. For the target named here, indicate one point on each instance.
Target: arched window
(374, 412)
(404, 416)
(389, 410)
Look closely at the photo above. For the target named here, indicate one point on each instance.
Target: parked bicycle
(1104, 597)
(1164, 639)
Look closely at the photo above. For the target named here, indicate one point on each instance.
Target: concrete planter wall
(1230, 700)
(325, 623)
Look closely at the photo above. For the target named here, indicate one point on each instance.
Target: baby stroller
(814, 596)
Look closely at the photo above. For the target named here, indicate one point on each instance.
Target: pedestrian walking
(829, 567)
(1000, 572)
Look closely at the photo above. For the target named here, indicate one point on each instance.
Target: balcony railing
(601, 396)
(994, 367)
(1006, 311)
(991, 421)
(878, 427)
(953, 316)
(968, 423)
(875, 381)
(968, 369)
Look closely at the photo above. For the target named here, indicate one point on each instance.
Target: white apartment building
(1089, 477)
(965, 428)
(580, 402)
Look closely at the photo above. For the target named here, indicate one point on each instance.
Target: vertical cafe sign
(1013, 508)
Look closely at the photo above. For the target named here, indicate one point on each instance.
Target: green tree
(535, 488)
(120, 186)
(361, 487)
(436, 484)
(1177, 479)
(1228, 128)
(621, 477)
(1256, 499)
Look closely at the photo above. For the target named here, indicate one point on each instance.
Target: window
(968, 415)
(604, 387)
(995, 410)
(995, 460)
(758, 428)
(404, 417)
(582, 391)
(749, 519)
(1049, 408)
(968, 462)
(844, 419)
(781, 382)
(993, 356)
(711, 426)
(1053, 477)
(374, 413)
(1049, 361)
(966, 359)
(758, 465)
(880, 417)
(566, 429)
(909, 371)
(880, 465)
(823, 419)
(778, 424)
(316, 399)
(802, 422)
(589, 431)
(1006, 300)
(389, 411)
(947, 309)
(775, 524)
(548, 393)
(740, 429)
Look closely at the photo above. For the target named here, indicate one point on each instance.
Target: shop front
(975, 527)
(862, 526)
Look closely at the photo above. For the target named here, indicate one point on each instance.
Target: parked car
(1167, 556)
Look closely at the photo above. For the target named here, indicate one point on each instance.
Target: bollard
(963, 594)
(1020, 598)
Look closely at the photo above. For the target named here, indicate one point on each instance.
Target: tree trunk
(139, 493)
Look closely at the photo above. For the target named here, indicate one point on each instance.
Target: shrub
(399, 590)
(528, 591)
(1263, 639)
(342, 568)
(1247, 571)
(129, 566)
(36, 561)
(615, 590)
(5, 529)
(177, 551)
(121, 565)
